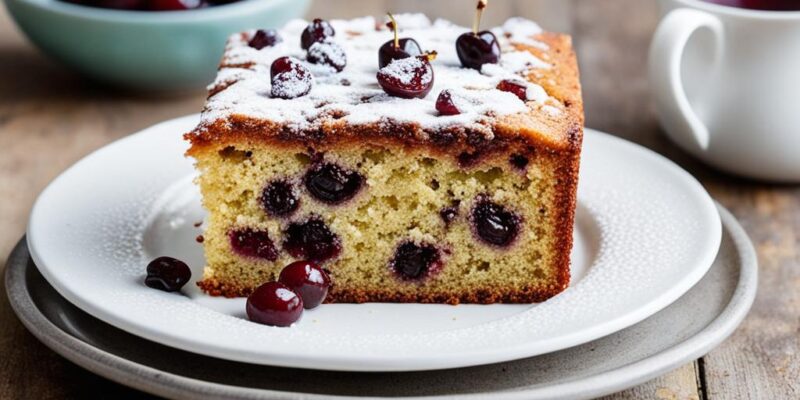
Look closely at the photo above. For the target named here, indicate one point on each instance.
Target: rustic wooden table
(50, 118)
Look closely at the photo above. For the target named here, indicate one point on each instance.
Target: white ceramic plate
(646, 232)
(660, 343)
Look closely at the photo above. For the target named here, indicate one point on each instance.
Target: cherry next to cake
(414, 161)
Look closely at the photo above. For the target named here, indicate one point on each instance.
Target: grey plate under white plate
(685, 330)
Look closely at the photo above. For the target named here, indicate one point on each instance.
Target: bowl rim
(236, 9)
(772, 15)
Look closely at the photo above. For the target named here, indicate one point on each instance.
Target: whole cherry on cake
(316, 39)
(264, 38)
(397, 48)
(477, 48)
(317, 31)
(290, 79)
(327, 53)
(408, 77)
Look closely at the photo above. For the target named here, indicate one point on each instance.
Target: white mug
(726, 83)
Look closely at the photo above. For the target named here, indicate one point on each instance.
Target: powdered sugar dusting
(521, 30)
(327, 53)
(520, 61)
(403, 70)
(536, 93)
(243, 84)
(227, 76)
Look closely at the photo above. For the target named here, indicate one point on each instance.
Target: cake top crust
(543, 62)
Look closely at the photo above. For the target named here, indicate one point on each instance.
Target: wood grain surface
(50, 118)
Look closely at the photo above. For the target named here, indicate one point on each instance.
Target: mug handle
(666, 52)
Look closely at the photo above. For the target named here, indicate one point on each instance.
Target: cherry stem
(481, 5)
(394, 28)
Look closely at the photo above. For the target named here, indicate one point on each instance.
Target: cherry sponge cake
(409, 175)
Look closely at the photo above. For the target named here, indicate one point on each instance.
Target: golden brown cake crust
(560, 132)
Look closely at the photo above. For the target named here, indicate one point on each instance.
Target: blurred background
(51, 116)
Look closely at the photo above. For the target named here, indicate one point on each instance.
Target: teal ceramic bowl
(164, 51)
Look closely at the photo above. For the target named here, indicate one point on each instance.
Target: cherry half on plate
(275, 304)
(397, 48)
(308, 280)
(167, 274)
(477, 48)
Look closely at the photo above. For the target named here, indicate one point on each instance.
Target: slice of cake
(422, 181)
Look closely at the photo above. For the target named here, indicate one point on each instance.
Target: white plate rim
(375, 361)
